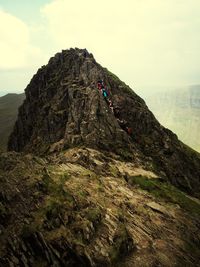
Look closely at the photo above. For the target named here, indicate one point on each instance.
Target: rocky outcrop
(63, 108)
(87, 208)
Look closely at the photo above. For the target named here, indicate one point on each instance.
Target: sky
(149, 44)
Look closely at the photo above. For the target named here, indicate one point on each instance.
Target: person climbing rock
(129, 130)
(102, 88)
(104, 93)
(124, 125)
(111, 106)
(116, 111)
(100, 85)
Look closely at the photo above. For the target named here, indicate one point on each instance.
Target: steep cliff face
(63, 108)
(63, 105)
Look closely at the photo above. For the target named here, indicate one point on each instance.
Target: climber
(116, 111)
(129, 130)
(111, 105)
(100, 85)
(124, 125)
(102, 88)
(104, 93)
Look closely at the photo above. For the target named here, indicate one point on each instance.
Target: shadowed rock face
(9, 105)
(63, 108)
(63, 105)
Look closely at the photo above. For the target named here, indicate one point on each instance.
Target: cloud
(145, 42)
(16, 50)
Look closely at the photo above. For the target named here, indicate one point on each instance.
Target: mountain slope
(179, 110)
(63, 108)
(85, 208)
(8, 114)
(80, 189)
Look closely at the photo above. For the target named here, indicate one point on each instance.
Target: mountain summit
(64, 108)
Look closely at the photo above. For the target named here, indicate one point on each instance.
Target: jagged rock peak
(64, 108)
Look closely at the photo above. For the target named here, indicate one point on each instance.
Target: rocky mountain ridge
(76, 189)
(63, 109)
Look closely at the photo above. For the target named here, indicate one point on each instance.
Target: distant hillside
(8, 113)
(179, 110)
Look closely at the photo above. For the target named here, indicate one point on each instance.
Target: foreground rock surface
(86, 208)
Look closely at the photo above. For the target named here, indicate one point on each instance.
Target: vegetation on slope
(84, 208)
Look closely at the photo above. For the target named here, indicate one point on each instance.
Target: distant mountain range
(8, 113)
(179, 110)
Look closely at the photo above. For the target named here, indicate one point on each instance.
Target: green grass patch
(64, 177)
(57, 201)
(167, 192)
(82, 194)
(88, 173)
(55, 188)
(114, 171)
(94, 214)
(53, 209)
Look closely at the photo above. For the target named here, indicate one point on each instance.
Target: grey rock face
(63, 108)
(63, 105)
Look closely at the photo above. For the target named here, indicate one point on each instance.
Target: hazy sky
(147, 43)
